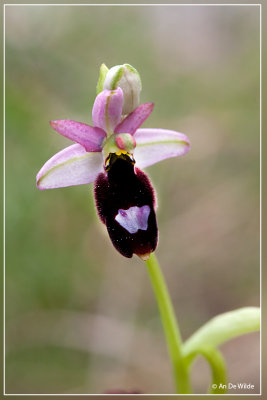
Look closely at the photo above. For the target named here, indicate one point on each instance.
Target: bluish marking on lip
(134, 218)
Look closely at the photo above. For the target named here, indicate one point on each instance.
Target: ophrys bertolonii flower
(111, 153)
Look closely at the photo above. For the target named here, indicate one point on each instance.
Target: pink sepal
(71, 166)
(154, 145)
(89, 137)
(134, 120)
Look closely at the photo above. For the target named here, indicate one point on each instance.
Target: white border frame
(136, 5)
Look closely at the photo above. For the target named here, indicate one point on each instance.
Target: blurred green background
(80, 318)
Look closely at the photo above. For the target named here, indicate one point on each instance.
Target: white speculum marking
(134, 218)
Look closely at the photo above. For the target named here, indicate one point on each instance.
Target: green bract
(218, 330)
(223, 328)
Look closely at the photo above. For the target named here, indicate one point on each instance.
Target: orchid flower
(110, 153)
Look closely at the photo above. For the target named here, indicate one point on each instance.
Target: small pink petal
(71, 166)
(90, 138)
(107, 109)
(134, 120)
(154, 145)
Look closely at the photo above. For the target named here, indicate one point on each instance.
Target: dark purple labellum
(125, 201)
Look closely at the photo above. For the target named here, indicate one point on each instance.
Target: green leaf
(102, 75)
(222, 328)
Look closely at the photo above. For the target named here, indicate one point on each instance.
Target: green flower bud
(127, 78)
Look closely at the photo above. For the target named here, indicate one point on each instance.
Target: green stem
(218, 368)
(170, 325)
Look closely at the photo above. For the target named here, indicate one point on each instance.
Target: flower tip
(54, 124)
(144, 257)
(148, 107)
(38, 183)
(187, 143)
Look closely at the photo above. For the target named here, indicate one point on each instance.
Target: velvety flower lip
(125, 201)
(81, 163)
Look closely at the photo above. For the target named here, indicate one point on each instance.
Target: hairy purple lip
(125, 202)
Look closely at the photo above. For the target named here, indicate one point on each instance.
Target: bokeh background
(80, 318)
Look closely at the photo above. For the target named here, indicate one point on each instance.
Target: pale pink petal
(134, 120)
(90, 138)
(154, 145)
(71, 166)
(107, 109)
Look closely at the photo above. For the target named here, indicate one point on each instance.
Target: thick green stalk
(170, 325)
